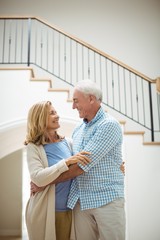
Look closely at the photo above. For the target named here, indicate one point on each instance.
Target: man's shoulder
(109, 120)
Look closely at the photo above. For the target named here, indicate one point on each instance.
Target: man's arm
(74, 171)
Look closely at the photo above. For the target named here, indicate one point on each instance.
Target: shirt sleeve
(70, 144)
(105, 140)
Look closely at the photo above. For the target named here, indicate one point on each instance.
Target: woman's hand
(79, 158)
(34, 188)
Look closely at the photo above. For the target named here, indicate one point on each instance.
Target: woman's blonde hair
(37, 123)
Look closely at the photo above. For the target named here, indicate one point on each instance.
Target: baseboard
(11, 232)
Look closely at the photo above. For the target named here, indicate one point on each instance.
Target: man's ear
(92, 99)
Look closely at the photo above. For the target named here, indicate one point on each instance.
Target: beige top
(40, 214)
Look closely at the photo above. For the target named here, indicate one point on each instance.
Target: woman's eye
(52, 113)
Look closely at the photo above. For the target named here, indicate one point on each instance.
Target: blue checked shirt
(102, 180)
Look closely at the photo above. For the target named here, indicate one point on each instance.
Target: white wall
(11, 194)
(127, 30)
(142, 189)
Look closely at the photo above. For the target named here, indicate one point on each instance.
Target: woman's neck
(53, 136)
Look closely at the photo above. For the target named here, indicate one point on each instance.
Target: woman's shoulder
(34, 147)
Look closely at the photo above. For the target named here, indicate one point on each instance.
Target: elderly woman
(49, 155)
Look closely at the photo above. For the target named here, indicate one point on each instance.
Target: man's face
(82, 103)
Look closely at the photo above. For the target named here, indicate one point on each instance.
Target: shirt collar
(98, 115)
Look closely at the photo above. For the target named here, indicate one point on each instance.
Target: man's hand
(122, 167)
(34, 188)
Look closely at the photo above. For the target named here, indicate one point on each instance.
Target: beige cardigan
(40, 214)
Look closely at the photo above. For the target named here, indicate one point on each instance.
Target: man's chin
(80, 115)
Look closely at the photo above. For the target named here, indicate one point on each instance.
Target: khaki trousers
(103, 223)
(63, 221)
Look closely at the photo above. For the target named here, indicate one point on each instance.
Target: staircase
(33, 42)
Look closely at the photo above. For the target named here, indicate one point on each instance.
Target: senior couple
(77, 190)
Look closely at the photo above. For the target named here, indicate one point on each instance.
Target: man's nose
(73, 105)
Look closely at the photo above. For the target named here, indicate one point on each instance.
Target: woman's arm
(43, 175)
(74, 171)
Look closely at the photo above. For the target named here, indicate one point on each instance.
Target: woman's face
(53, 119)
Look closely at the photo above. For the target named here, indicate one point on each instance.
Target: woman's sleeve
(39, 171)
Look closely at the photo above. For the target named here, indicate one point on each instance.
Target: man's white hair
(89, 87)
